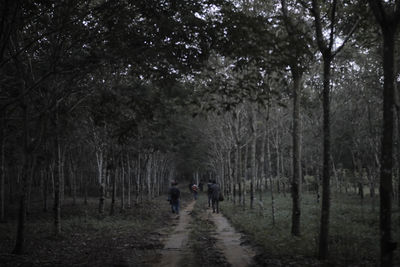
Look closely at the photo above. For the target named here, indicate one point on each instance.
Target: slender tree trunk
(45, 180)
(57, 182)
(324, 227)
(244, 182)
(84, 179)
(20, 239)
(122, 184)
(385, 189)
(263, 165)
(129, 181)
(114, 175)
(148, 177)
(296, 179)
(253, 155)
(138, 183)
(2, 171)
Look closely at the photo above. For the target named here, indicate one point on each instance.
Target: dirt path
(175, 246)
(229, 242)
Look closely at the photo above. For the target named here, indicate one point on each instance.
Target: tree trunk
(20, 239)
(244, 181)
(263, 165)
(325, 209)
(253, 154)
(148, 176)
(57, 182)
(122, 184)
(385, 189)
(2, 171)
(114, 175)
(129, 181)
(296, 179)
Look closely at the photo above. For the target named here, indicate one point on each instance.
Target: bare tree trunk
(253, 155)
(138, 180)
(263, 165)
(296, 179)
(114, 175)
(129, 181)
(20, 239)
(57, 181)
(244, 182)
(44, 180)
(389, 19)
(122, 184)
(2, 170)
(148, 176)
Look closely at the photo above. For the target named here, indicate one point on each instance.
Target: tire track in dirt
(176, 244)
(228, 241)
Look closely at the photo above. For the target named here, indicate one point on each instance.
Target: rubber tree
(387, 16)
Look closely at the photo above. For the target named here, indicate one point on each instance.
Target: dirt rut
(229, 242)
(176, 244)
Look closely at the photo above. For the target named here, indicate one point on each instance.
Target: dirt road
(176, 244)
(228, 241)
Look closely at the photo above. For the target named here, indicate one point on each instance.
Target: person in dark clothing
(215, 196)
(209, 192)
(190, 187)
(201, 186)
(174, 195)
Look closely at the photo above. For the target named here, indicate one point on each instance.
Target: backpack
(175, 193)
(194, 188)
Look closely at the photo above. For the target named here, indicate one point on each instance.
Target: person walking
(174, 195)
(209, 192)
(215, 195)
(195, 190)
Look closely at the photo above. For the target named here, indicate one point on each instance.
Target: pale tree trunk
(148, 176)
(237, 174)
(246, 152)
(278, 175)
(263, 165)
(114, 175)
(253, 155)
(122, 184)
(129, 180)
(138, 180)
(102, 168)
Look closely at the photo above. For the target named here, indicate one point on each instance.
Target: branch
(378, 10)
(333, 16)
(347, 37)
(318, 27)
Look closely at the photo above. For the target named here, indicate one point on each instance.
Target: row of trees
(97, 99)
(307, 41)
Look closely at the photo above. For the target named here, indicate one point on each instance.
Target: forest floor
(148, 234)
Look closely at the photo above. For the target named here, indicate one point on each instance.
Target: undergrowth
(354, 229)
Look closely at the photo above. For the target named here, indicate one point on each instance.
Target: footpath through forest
(221, 239)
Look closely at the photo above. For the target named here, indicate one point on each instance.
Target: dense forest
(103, 103)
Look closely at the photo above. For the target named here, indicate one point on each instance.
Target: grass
(128, 238)
(354, 229)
